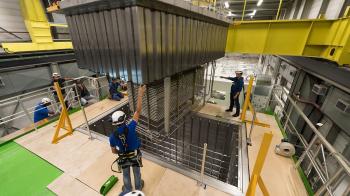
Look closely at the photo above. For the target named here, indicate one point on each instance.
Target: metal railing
(23, 106)
(318, 156)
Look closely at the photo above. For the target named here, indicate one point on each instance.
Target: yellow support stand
(259, 163)
(64, 118)
(248, 105)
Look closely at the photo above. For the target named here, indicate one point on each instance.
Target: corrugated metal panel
(144, 45)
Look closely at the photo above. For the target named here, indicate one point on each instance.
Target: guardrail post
(201, 183)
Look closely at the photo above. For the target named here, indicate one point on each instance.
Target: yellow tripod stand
(64, 118)
(248, 105)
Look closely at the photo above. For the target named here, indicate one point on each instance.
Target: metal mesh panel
(184, 147)
(186, 93)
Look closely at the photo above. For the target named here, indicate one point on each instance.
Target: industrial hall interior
(175, 97)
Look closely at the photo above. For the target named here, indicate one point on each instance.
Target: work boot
(142, 184)
(228, 110)
(235, 115)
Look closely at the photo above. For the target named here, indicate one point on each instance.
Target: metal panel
(110, 43)
(142, 44)
(123, 42)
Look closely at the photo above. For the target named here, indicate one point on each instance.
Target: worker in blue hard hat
(41, 111)
(125, 142)
(236, 88)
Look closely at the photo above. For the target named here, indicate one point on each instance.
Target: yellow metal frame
(64, 118)
(39, 30)
(248, 105)
(258, 166)
(327, 39)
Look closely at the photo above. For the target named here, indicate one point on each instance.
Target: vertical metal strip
(117, 51)
(123, 42)
(140, 44)
(90, 35)
(149, 44)
(110, 43)
(132, 67)
(84, 40)
(95, 43)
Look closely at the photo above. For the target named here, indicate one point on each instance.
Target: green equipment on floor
(108, 185)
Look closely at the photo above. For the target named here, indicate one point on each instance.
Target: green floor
(24, 173)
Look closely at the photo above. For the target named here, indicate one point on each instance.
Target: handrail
(340, 159)
(314, 148)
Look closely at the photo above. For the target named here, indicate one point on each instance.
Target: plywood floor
(278, 173)
(86, 163)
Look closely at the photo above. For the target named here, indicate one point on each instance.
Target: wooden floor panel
(86, 162)
(66, 185)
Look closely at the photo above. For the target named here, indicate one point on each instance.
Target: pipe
(245, 3)
(279, 10)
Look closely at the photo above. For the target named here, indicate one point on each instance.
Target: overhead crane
(320, 38)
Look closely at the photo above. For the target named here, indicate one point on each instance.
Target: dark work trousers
(234, 101)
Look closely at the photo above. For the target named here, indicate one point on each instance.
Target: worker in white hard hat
(125, 142)
(236, 88)
(41, 111)
(56, 77)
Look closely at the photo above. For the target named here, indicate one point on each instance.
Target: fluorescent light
(227, 5)
(253, 13)
(230, 14)
(251, 16)
(259, 2)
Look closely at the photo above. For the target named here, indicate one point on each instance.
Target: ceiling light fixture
(254, 12)
(259, 2)
(227, 5)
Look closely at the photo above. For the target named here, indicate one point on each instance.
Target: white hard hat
(118, 118)
(135, 193)
(45, 100)
(55, 74)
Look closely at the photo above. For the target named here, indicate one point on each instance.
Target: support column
(167, 94)
(55, 68)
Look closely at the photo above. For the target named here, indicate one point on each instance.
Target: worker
(82, 93)
(114, 87)
(41, 111)
(57, 78)
(236, 88)
(125, 143)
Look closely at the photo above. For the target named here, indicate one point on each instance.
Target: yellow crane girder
(327, 39)
(39, 30)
